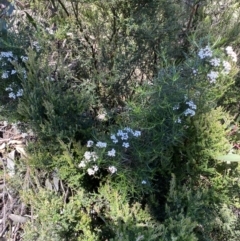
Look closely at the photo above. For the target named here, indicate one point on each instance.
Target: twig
(4, 187)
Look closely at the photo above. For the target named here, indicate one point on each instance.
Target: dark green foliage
(53, 107)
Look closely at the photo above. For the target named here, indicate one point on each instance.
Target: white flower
(137, 133)
(6, 54)
(189, 112)
(12, 95)
(101, 144)
(90, 171)
(101, 117)
(114, 139)
(212, 76)
(90, 143)
(227, 67)
(144, 182)
(37, 46)
(119, 133)
(125, 144)
(19, 93)
(95, 168)
(205, 52)
(178, 120)
(231, 53)
(112, 153)
(82, 164)
(13, 71)
(24, 58)
(215, 62)
(229, 49)
(124, 136)
(94, 156)
(9, 89)
(128, 129)
(191, 104)
(90, 156)
(87, 155)
(195, 71)
(112, 169)
(5, 75)
(234, 57)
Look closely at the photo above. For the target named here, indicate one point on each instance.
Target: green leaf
(229, 158)
(31, 20)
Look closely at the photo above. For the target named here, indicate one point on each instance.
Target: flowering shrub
(93, 66)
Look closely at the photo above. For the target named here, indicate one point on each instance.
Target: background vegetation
(134, 106)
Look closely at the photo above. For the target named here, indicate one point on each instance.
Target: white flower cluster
(124, 135)
(93, 170)
(231, 53)
(114, 138)
(191, 104)
(112, 169)
(8, 54)
(212, 76)
(36, 46)
(89, 157)
(90, 143)
(9, 57)
(121, 135)
(112, 152)
(6, 74)
(216, 62)
(191, 110)
(13, 95)
(205, 52)
(125, 144)
(101, 144)
(227, 67)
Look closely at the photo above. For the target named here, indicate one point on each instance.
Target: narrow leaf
(229, 158)
(31, 20)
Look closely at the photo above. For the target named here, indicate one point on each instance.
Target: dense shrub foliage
(134, 105)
